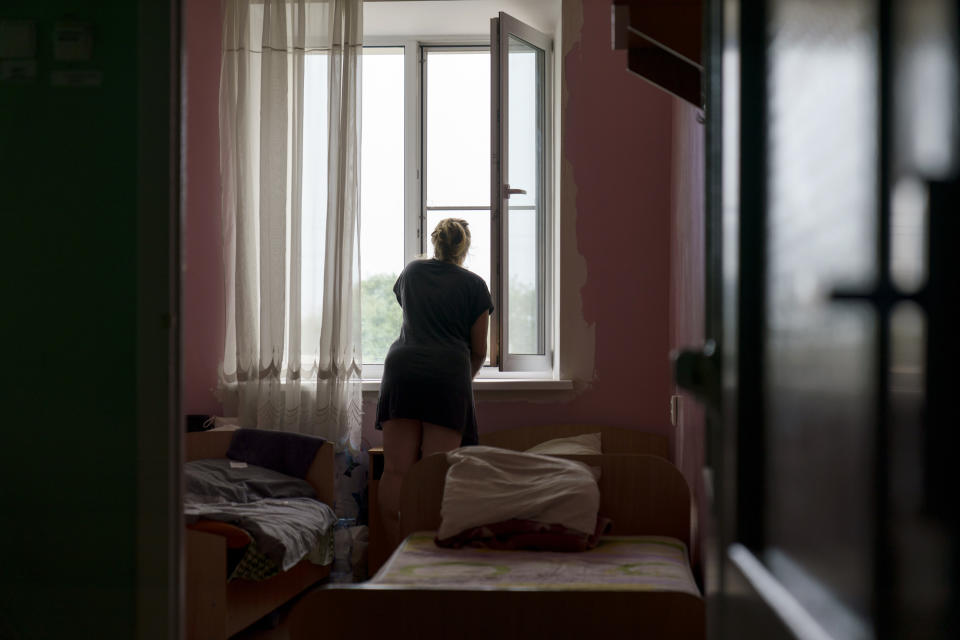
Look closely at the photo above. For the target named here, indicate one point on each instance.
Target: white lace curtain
(289, 158)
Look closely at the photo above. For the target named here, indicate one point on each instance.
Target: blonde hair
(451, 240)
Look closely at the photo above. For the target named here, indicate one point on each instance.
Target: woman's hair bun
(451, 240)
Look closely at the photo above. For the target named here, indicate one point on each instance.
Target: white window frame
(501, 28)
(415, 241)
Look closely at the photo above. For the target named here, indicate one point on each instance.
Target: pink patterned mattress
(618, 563)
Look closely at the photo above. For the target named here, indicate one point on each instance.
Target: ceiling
(453, 17)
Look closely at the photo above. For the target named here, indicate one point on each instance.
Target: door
(832, 160)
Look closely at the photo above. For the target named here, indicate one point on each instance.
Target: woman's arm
(478, 342)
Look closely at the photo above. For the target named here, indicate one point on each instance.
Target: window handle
(507, 191)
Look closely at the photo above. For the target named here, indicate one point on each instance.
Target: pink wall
(202, 282)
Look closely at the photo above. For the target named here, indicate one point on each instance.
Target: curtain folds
(289, 158)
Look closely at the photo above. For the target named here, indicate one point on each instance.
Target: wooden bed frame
(643, 494)
(217, 609)
(613, 440)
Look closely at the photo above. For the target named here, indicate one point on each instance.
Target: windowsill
(372, 385)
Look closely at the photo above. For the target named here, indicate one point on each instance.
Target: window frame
(501, 28)
(415, 206)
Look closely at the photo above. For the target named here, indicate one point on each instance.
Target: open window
(449, 126)
(519, 195)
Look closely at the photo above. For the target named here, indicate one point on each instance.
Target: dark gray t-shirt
(441, 302)
(426, 374)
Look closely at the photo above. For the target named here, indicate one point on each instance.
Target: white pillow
(587, 444)
(487, 485)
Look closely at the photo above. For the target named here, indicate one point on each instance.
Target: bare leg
(401, 448)
(437, 439)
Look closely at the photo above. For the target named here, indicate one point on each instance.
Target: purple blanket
(289, 453)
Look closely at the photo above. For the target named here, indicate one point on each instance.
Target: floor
(270, 627)
(274, 626)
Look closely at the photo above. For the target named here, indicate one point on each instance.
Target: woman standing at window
(426, 400)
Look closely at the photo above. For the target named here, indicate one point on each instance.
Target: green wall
(68, 200)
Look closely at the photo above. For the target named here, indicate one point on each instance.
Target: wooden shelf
(663, 39)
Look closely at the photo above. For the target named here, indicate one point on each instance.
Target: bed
(614, 439)
(429, 592)
(218, 608)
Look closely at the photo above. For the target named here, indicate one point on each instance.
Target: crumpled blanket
(285, 530)
(516, 534)
(255, 565)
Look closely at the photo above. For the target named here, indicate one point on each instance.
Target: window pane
(523, 286)
(381, 199)
(457, 113)
(524, 142)
(523, 213)
(314, 221)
